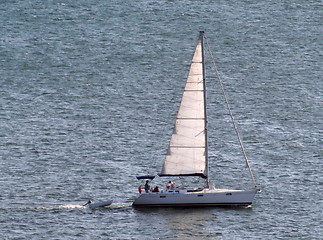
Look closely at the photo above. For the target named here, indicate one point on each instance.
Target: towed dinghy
(101, 204)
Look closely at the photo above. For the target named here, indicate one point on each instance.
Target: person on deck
(173, 185)
(147, 187)
(156, 189)
(168, 185)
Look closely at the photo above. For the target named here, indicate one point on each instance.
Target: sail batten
(187, 152)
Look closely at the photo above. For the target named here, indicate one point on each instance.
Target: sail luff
(187, 153)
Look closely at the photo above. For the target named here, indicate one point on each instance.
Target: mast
(205, 113)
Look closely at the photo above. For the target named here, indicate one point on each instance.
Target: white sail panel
(188, 133)
(194, 84)
(196, 69)
(192, 105)
(184, 161)
(186, 154)
(198, 52)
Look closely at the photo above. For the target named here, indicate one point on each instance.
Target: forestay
(187, 153)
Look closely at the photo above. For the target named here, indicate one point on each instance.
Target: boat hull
(206, 197)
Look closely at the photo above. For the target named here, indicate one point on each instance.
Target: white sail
(187, 153)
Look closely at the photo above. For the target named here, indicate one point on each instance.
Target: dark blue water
(89, 92)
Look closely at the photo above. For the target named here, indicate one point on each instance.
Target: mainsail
(187, 153)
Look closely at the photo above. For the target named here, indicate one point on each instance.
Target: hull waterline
(219, 197)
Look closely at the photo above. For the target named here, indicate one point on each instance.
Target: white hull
(205, 197)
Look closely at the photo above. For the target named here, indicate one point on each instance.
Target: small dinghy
(98, 204)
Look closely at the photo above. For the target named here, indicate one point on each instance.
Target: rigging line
(230, 113)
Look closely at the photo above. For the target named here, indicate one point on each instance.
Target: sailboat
(187, 155)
